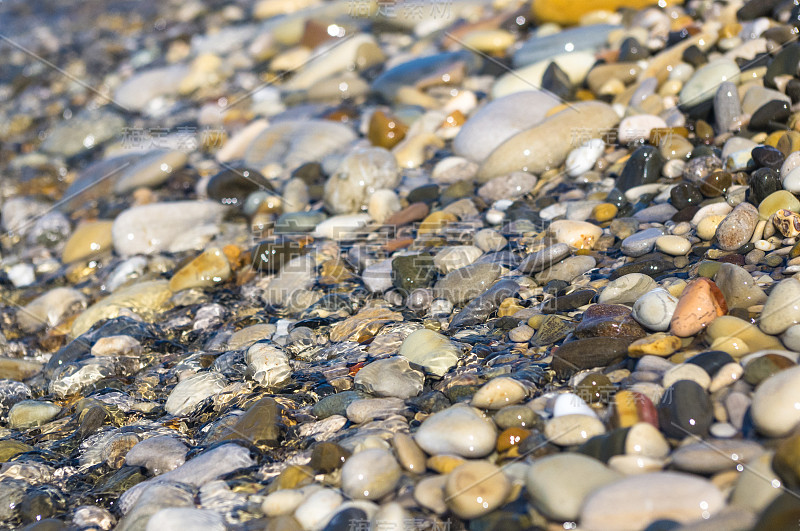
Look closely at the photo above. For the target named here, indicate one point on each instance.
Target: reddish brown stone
(413, 212)
(700, 303)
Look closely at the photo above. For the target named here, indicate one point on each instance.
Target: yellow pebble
(625, 406)
(604, 212)
(435, 222)
(568, 12)
(536, 321)
(444, 464)
(776, 201)
(89, 240)
(508, 307)
(660, 344)
(773, 138)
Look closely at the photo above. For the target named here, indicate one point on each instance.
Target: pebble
(552, 487)
(641, 243)
(209, 268)
(705, 82)
(360, 175)
(193, 390)
(685, 409)
(434, 352)
(457, 430)
(267, 364)
(627, 289)
(392, 377)
(781, 309)
(158, 454)
(546, 145)
(568, 430)
(498, 393)
(476, 488)
(737, 228)
(370, 474)
(30, 413)
(699, 304)
(714, 456)
(499, 120)
(649, 497)
(579, 234)
(583, 158)
(87, 241)
(773, 408)
(140, 230)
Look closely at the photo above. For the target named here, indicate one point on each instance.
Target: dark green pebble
(685, 194)
(711, 361)
(763, 182)
(412, 272)
(427, 194)
(684, 410)
(643, 167)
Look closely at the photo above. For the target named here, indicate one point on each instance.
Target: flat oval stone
(485, 304)
(158, 454)
(457, 430)
(359, 175)
(642, 242)
(627, 289)
(713, 456)
(540, 47)
(370, 474)
(150, 171)
(499, 120)
(193, 390)
(466, 283)
(87, 241)
(737, 228)
(685, 409)
(567, 269)
(547, 145)
(498, 393)
(738, 286)
(782, 308)
(580, 234)
(434, 352)
(643, 167)
(552, 487)
(208, 269)
(654, 309)
(145, 230)
(568, 430)
(391, 377)
(773, 409)
(638, 500)
(703, 85)
(476, 488)
(587, 353)
(28, 413)
(233, 185)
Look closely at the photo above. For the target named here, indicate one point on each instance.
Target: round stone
(476, 488)
(370, 474)
(774, 408)
(457, 430)
(553, 485)
(637, 501)
(498, 393)
(568, 430)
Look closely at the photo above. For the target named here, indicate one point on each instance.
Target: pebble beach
(356, 265)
